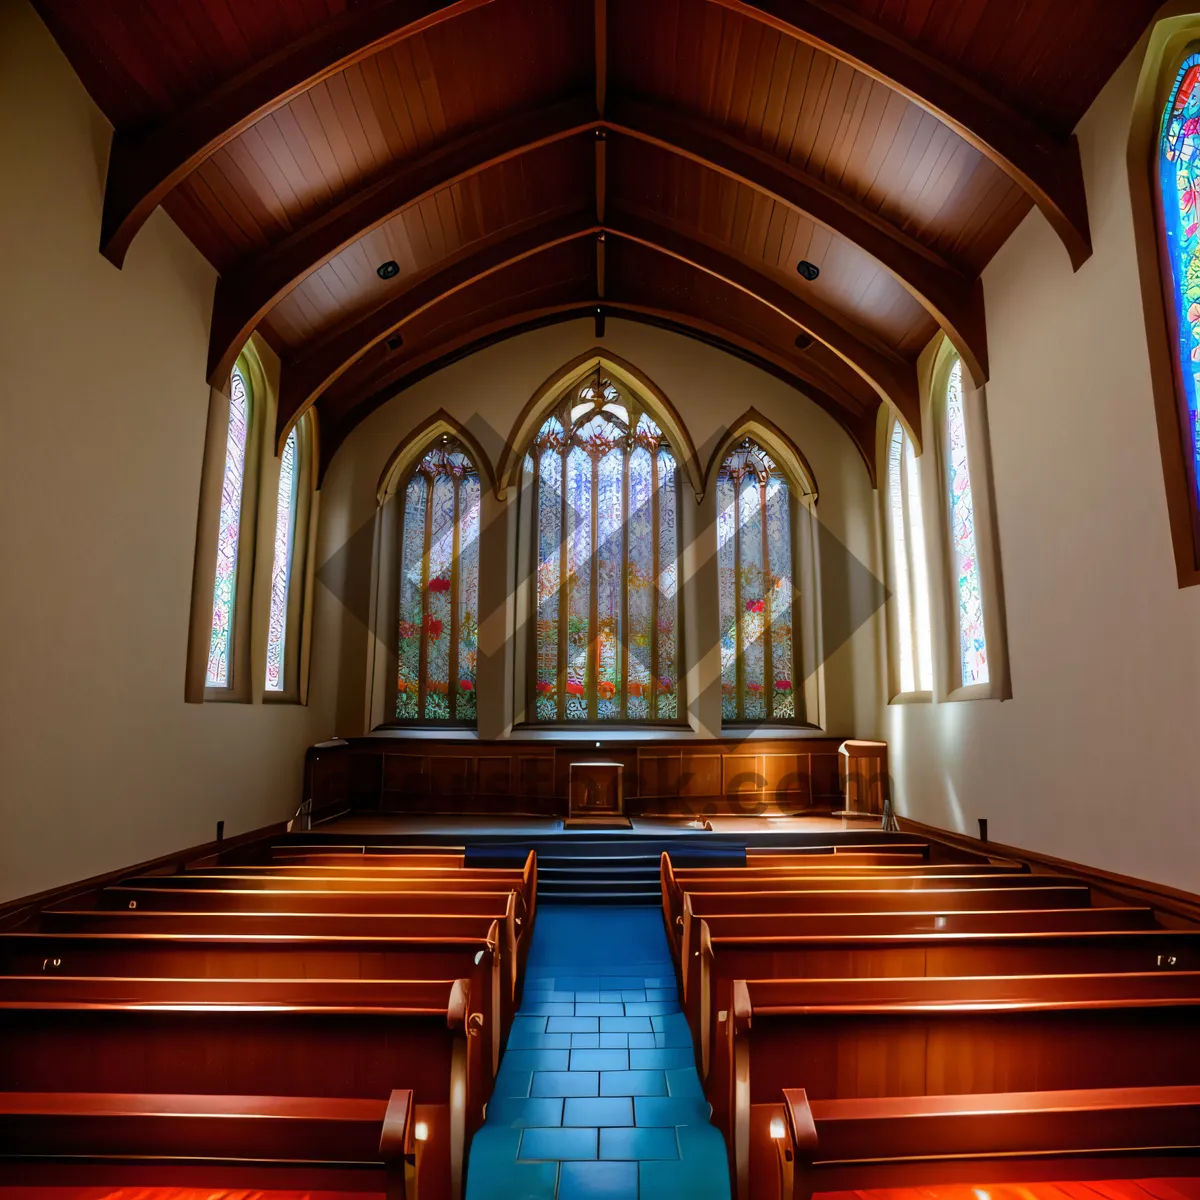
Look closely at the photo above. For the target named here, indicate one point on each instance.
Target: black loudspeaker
(983, 829)
(220, 831)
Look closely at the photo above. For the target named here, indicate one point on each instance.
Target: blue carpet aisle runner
(598, 1095)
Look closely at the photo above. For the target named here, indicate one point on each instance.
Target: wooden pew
(392, 862)
(200, 955)
(52, 1139)
(716, 910)
(723, 959)
(331, 1039)
(870, 1038)
(831, 895)
(803, 1146)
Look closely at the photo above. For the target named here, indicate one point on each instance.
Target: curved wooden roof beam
(634, 304)
(304, 378)
(953, 300)
(893, 378)
(244, 297)
(143, 169)
(1044, 166)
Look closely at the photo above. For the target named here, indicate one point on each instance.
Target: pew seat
(48, 1138)
(800, 1146)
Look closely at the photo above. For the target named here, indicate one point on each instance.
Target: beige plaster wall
(1094, 758)
(102, 415)
(486, 392)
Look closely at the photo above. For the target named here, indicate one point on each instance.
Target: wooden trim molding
(1046, 168)
(143, 169)
(1172, 906)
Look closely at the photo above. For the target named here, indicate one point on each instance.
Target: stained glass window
(1178, 172)
(220, 646)
(910, 582)
(281, 570)
(438, 639)
(605, 489)
(973, 660)
(756, 588)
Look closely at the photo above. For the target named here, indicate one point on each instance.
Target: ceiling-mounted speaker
(388, 270)
(394, 342)
(808, 270)
(803, 341)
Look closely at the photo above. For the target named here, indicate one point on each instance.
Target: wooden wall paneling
(659, 773)
(702, 775)
(495, 774)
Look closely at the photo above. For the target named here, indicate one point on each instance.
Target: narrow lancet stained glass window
(1178, 177)
(605, 503)
(439, 590)
(910, 584)
(756, 588)
(281, 569)
(973, 659)
(220, 646)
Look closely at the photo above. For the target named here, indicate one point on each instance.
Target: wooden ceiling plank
(1046, 167)
(244, 297)
(955, 302)
(891, 377)
(143, 169)
(304, 379)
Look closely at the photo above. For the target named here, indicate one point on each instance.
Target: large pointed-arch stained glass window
(605, 488)
(972, 641)
(755, 571)
(281, 569)
(910, 581)
(439, 589)
(1178, 177)
(220, 646)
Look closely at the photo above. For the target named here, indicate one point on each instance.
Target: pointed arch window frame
(934, 370)
(297, 624)
(387, 559)
(556, 400)
(808, 655)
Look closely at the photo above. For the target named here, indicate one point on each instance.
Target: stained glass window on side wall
(220, 647)
(281, 569)
(1178, 177)
(755, 588)
(605, 508)
(438, 632)
(973, 661)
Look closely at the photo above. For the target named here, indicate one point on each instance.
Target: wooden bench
(435, 856)
(723, 959)
(802, 1146)
(869, 1038)
(120, 1139)
(714, 909)
(479, 955)
(332, 1039)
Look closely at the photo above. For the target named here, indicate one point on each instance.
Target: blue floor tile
(633, 1083)
(573, 1025)
(566, 1083)
(523, 1113)
(696, 1181)
(558, 1143)
(622, 1024)
(598, 1181)
(639, 1143)
(613, 1041)
(675, 1058)
(600, 1010)
(598, 1110)
(599, 1060)
(586, 1041)
(665, 1110)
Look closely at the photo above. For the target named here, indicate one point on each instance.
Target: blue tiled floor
(597, 1096)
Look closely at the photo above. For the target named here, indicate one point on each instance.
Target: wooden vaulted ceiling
(529, 161)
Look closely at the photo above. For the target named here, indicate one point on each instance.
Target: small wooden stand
(864, 777)
(595, 791)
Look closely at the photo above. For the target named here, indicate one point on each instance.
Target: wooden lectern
(595, 790)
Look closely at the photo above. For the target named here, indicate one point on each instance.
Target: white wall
(103, 403)
(486, 392)
(1094, 757)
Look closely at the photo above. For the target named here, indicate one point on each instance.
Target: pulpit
(596, 791)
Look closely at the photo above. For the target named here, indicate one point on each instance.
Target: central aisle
(598, 1094)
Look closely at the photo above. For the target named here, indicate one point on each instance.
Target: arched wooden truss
(282, 148)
